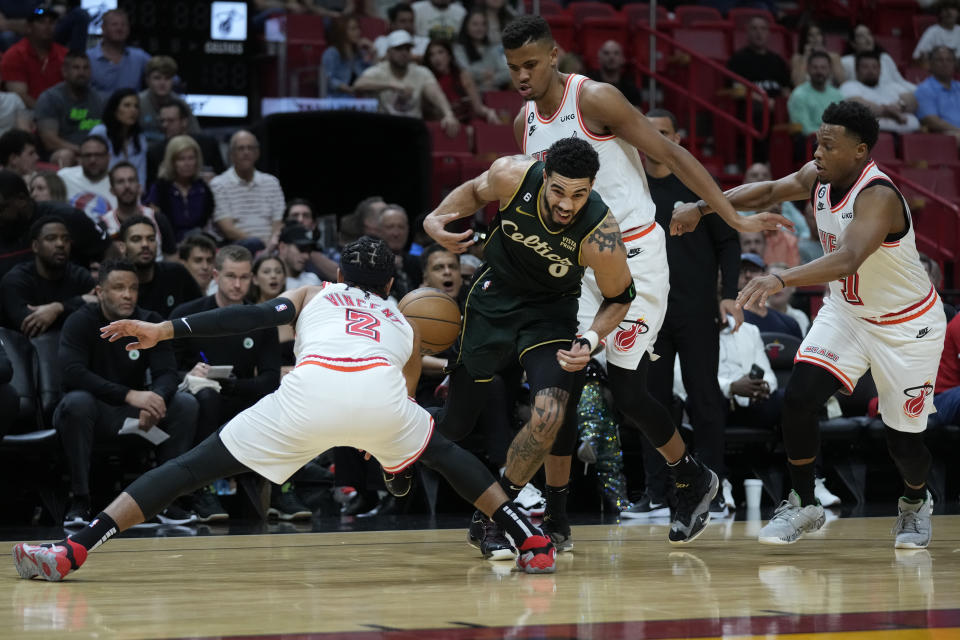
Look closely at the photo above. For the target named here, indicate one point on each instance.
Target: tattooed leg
(532, 444)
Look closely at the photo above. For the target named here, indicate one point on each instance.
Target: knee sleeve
(808, 390)
(910, 454)
(203, 464)
(630, 395)
(465, 473)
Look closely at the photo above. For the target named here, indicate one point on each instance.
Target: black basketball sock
(557, 503)
(509, 488)
(685, 468)
(100, 529)
(914, 495)
(515, 523)
(803, 478)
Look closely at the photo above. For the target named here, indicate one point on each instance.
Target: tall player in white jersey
(358, 362)
(882, 313)
(562, 106)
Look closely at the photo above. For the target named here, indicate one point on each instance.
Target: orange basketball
(435, 314)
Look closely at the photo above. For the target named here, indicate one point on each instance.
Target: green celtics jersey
(528, 257)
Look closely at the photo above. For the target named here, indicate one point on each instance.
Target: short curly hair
(368, 264)
(855, 118)
(572, 158)
(524, 30)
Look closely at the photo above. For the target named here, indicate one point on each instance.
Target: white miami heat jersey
(891, 284)
(621, 182)
(344, 326)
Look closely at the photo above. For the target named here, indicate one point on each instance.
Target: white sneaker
(530, 501)
(727, 490)
(824, 495)
(913, 528)
(790, 521)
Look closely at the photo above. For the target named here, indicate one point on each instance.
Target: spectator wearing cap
(34, 64)
(248, 203)
(39, 295)
(294, 251)
(114, 64)
(18, 211)
(68, 112)
(159, 74)
(768, 320)
(401, 85)
(300, 211)
(401, 18)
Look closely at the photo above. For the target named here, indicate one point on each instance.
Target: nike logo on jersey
(923, 332)
(524, 213)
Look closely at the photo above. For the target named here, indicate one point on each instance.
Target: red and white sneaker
(48, 561)
(537, 555)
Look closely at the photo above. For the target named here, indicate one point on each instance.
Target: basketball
(435, 314)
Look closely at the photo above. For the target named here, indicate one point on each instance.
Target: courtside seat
(929, 149)
(586, 9)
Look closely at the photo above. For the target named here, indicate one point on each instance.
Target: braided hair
(368, 264)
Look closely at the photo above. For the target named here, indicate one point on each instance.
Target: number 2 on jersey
(361, 323)
(850, 287)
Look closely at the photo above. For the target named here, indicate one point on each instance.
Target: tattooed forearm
(531, 445)
(608, 236)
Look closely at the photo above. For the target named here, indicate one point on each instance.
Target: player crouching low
(358, 358)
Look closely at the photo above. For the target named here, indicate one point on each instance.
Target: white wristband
(591, 337)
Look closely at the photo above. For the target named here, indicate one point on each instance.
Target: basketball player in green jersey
(523, 301)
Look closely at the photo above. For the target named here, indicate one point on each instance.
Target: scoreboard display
(210, 41)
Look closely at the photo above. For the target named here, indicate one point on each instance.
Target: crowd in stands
(114, 203)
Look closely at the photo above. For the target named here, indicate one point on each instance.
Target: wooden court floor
(622, 581)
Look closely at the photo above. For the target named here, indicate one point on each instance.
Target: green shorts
(500, 325)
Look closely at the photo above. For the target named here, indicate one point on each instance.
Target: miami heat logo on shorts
(916, 398)
(626, 338)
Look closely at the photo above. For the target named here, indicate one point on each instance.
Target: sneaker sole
(165, 520)
(909, 545)
(214, 517)
(499, 554)
(286, 517)
(653, 513)
(532, 513)
(776, 540)
(25, 563)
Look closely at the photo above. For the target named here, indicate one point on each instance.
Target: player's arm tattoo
(608, 237)
(533, 442)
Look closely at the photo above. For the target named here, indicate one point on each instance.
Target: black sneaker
(718, 507)
(399, 483)
(558, 530)
(207, 506)
(693, 498)
(78, 512)
(175, 514)
(646, 507)
(487, 536)
(285, 505)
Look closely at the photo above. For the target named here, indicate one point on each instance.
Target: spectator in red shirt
(34, 64)
(947, 398)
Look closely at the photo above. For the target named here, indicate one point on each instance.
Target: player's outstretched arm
(498, 183)
(234, 319)
(755, 196)
(603, 105)
(877, 213)
(603, 251)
